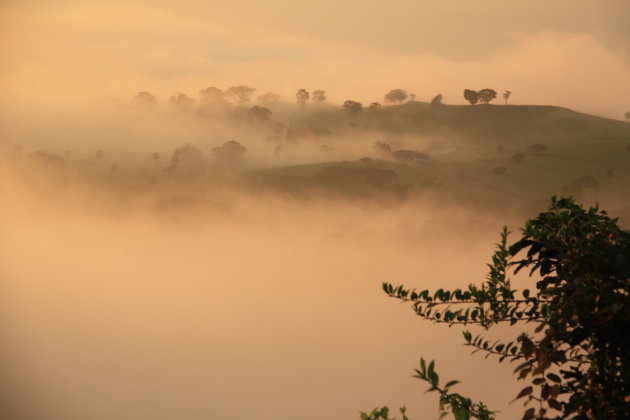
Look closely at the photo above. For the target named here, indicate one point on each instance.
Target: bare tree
(506, 96)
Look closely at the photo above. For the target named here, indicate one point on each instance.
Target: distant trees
(212, 96)
(627, 115)
(302, 96)
(269, 98)
(240, 94)
(471, 96)
(437, 100)
(260, 113)
(486, 95)
(506, 96)
(353, 107)
(181, 100)
(230, 153)
(396, 96)
(375, 105)
(319, 96)
(186, 160)
(144, 98)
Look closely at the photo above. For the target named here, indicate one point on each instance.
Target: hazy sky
(574, 53)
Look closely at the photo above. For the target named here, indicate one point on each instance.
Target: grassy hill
(572, 153)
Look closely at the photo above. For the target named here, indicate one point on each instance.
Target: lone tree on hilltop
(471, 96)
(486, 95)
(577, 359)
(396, 96)
(302, 96)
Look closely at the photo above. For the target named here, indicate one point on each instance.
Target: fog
(167, 253)
(247, 308)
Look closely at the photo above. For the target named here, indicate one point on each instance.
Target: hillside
(522, 153)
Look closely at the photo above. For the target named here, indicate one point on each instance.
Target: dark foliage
(577, 358)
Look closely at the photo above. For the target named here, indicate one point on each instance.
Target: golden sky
(573, 53)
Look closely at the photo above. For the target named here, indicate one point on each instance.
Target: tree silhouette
(506, 96)
(181, 101)
(212, 96)
(375, 105)
(260, 113)
(352, 107)
(578, 357)
(471, 96)
(319, 96)
(396, 96)
(437, 100)
(302, 96)
(627, 114)
(240, 94)
(486, 95)
(144, 98)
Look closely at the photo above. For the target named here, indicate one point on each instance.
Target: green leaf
(450, 384)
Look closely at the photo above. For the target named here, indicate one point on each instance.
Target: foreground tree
(577, 358)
